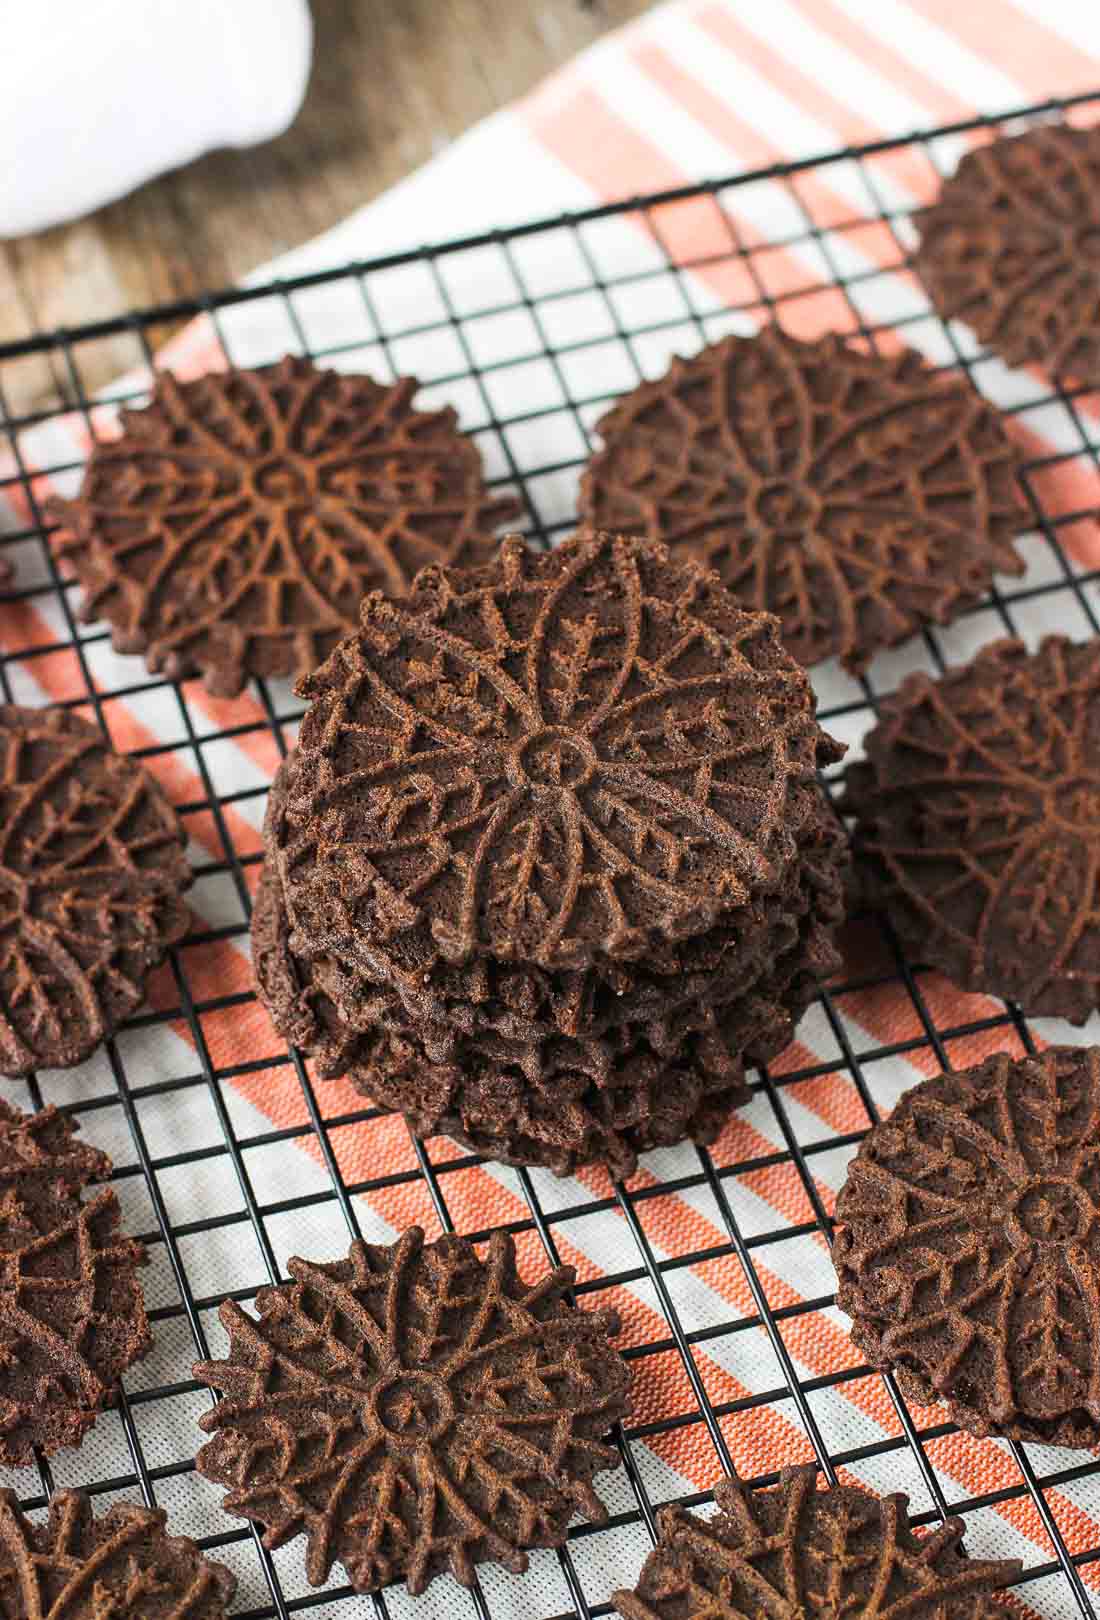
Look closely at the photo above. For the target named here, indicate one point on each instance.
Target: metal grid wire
(547, 1219)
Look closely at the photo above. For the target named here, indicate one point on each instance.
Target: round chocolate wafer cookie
(378, 1388)
(968, 1245)
(72, 1317)
(233, 527)
(1012, 247)
(978, 823)
(121, 1566)
(92, 874)
(795, 1551)
(555, 760)
(858, 496)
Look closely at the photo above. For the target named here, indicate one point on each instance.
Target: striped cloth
(695, 89)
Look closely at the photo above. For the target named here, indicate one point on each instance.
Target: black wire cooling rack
(249, 1214)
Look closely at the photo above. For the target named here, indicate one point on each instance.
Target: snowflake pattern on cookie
(92, 874)
(968, 1245)
(1012, 247)
(978, 823)
(237, 521)
(551, 759)
(72, 1316)
(857, 496)
(121, 1566)
(414, 1409)
(797, 1553)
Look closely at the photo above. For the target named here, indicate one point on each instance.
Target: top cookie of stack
(551, 858)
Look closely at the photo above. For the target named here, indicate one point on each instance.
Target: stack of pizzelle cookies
(551, 862)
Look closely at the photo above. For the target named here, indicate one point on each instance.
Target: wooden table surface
(392, 82)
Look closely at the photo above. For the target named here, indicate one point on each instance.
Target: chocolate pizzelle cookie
(968, 1242)
(857, 496)
(1012, 247)
(92, 874)
(121, 1566)
(234, 525)
(72, 1317)
(978, 823)
(551, 858)
(560, 759)
(815, 1554)
(414, 1409)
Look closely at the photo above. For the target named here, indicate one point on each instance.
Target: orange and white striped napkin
(696, 89)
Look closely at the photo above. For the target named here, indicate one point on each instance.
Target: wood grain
(393, 81)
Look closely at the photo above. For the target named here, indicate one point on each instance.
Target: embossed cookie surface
(237, 521)
(92, 870)
(857, 496)
(72, 1317)
(968, 1244)
(372, 1390)
(121, 1566)
(978, 823)
(815, 1554)
(553, 760)
(1012, 247)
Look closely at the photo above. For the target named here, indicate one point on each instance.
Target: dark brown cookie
(72, 1317)
(553, 760)
(812, 1554)
(121, 1566)
(92, 873)
(1012, 247)
(236, 523)
(968, 1245)
(414, 1409)
(978, 823)
(855, 495)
